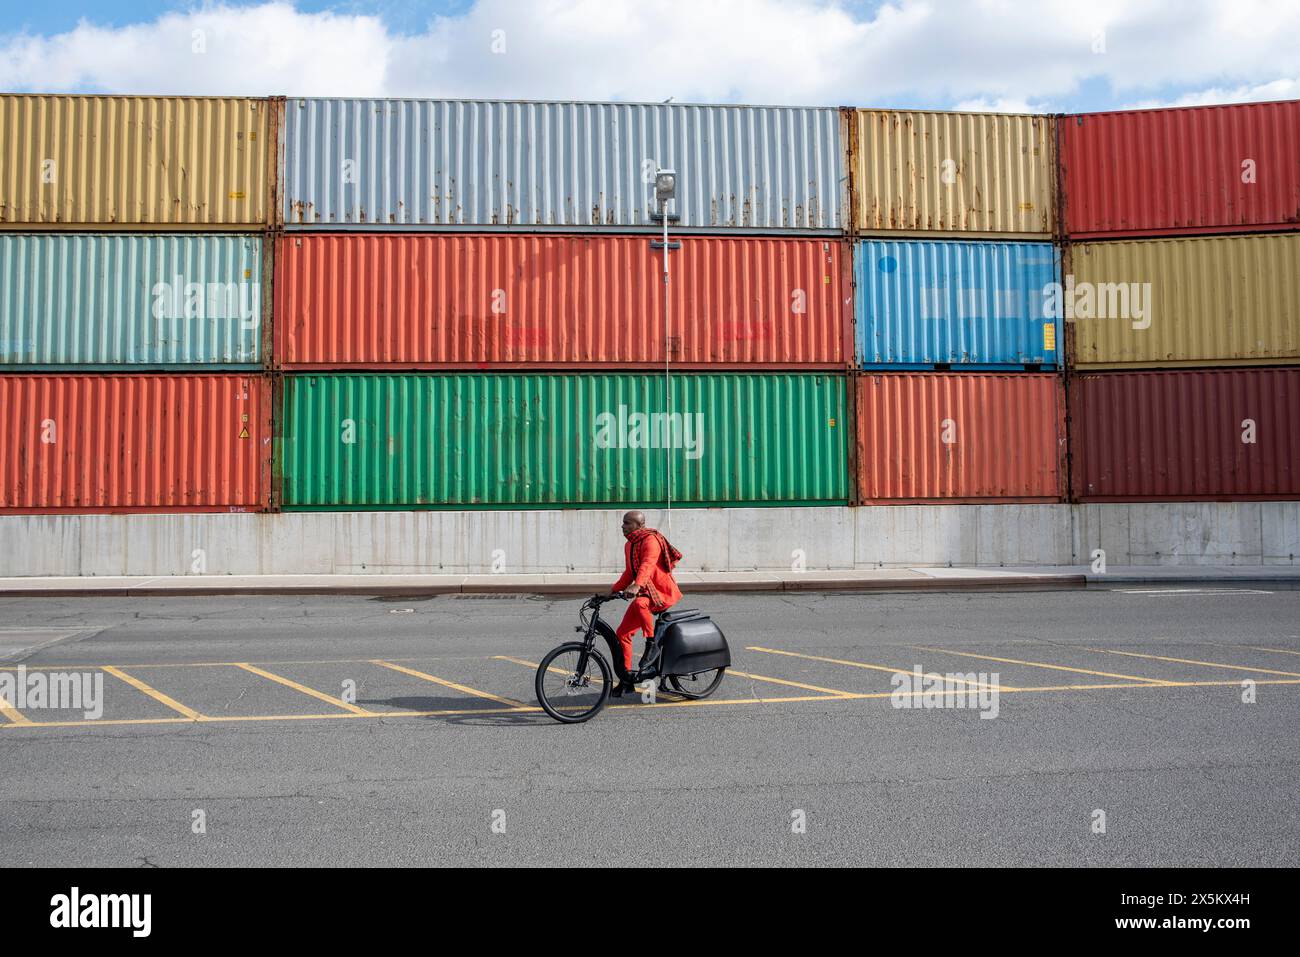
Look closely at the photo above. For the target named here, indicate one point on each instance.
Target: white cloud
(981, 54)
(1003, 104)
(247, 51)
(1277, 90)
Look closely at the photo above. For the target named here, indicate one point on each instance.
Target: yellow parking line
(467, 712)
(863, 664)
(92, 722)
(154, 693)
(738, 674)
(792, 684)
(1280, 651)
(1041, 664)
(136, 666)
(320, 695)
(13, 715)
(534, 665)
(449, 684)
(1193, 661)
(728, 701)
(826, 692)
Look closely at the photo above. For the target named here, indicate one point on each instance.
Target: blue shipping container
(974, 305)
(90, 301)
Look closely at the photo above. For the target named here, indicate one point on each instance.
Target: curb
(1098, 580)
(1002, 583)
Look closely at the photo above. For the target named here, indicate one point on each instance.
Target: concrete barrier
(715, 540)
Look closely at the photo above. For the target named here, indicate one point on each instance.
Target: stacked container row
(135, 273)
(1182, 253)
(474, 440)
(498, 263)
(543, 301)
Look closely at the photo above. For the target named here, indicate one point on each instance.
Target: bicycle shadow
(490, 714)
(460, 710)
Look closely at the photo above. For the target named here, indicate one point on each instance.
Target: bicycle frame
(596, 625)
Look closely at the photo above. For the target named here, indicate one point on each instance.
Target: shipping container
(493, 440)
(1158, 303)
(120, 443)
(129, 301)
(1199, 169)
(480, 163)
(978, 305)
(1219, 434)
(975, 173)
(123, 162)
(501, 301)
(930, 437)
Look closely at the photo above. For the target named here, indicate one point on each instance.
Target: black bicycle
(688, 652)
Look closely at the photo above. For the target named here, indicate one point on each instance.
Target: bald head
(632, 521)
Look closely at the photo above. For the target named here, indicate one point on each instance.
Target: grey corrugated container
(492, 163)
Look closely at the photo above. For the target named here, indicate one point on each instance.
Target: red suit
(649, 563)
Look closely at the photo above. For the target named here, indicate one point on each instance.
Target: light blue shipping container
(110, 301)
(491, 164)
(974, 305)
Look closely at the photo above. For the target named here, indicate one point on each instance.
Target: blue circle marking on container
(888, 264)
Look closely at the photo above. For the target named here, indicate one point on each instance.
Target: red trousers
(637, 618)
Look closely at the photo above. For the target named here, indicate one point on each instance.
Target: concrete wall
(1192, 533)
(1245, 533)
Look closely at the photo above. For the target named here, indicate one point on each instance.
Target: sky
(1037, 56)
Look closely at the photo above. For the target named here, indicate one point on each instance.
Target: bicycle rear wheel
(698, 685)
(568, 689)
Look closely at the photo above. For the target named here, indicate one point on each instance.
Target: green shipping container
(511, 441)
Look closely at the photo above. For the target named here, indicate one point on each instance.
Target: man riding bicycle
(648, 568)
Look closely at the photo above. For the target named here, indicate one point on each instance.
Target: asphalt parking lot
(1140, 726)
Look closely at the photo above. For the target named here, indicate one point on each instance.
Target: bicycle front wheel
(572, 683)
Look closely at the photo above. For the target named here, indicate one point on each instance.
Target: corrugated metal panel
(960, 436)
(481, 163)
(1228, 299)
(966, 303)
(124, 161)
(1220, 434)
(413, 441)
(1194, 169)
(129, 299)
(952, 172)
(509, 300)
(134, 442)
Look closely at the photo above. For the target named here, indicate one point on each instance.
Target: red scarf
(668, 556)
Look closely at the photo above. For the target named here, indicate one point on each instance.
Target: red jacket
(647, 565)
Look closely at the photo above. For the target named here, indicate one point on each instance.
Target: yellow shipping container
(1219, 300)
(126, 162)
(977, 174)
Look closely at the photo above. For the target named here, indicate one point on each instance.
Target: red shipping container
(926, 437)
(1202, 169)
(82, 443)
(1209, 435)
(521, 301)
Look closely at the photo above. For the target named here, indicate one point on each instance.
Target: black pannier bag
(691, 643)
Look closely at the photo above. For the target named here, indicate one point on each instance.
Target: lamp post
(665, 190)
